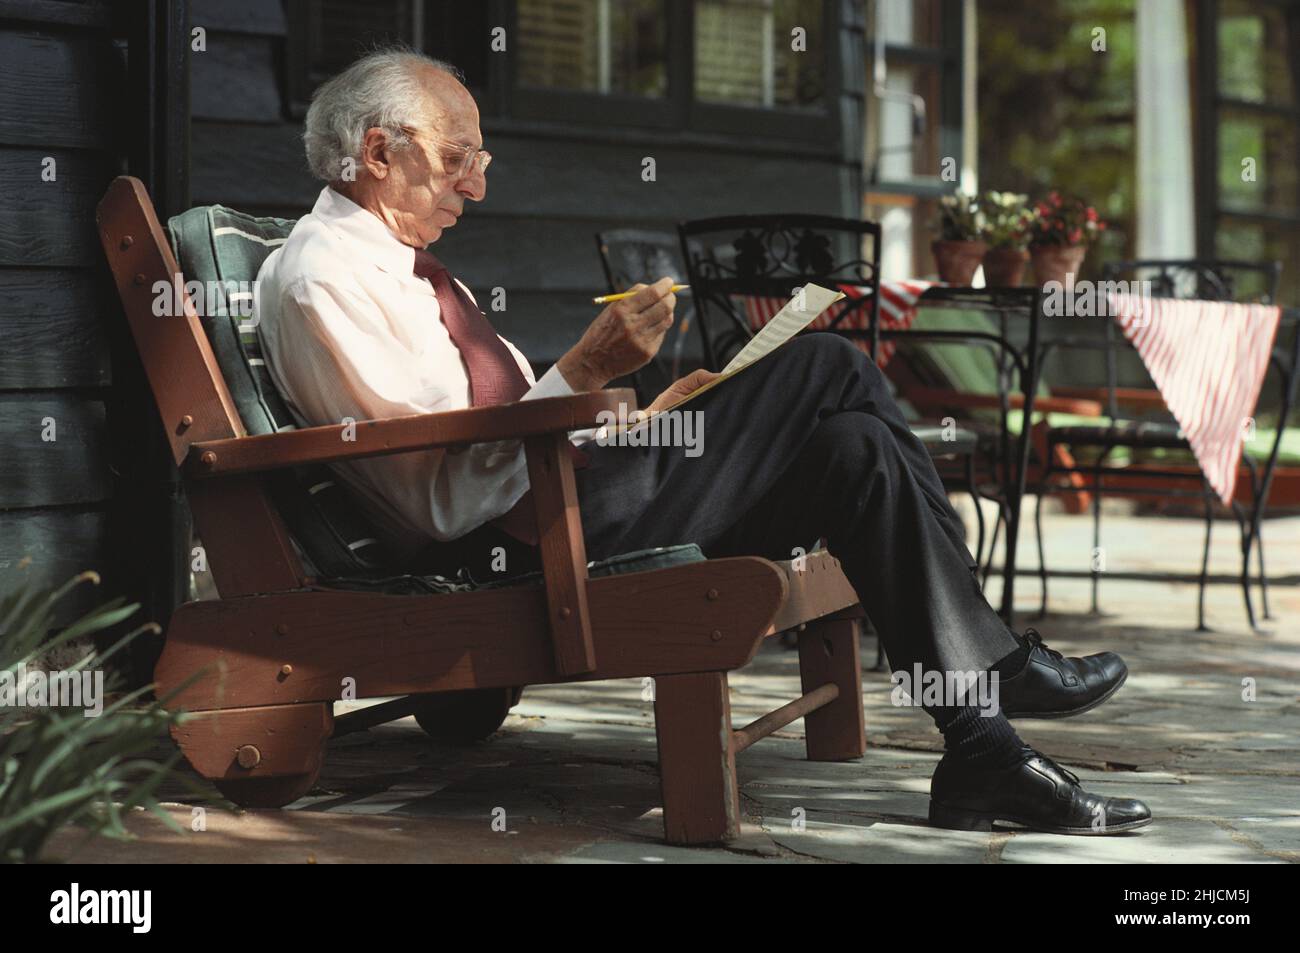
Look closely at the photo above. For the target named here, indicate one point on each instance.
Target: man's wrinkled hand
(623, 338)
(682, 388)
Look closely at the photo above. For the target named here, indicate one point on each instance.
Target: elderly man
(359, 320)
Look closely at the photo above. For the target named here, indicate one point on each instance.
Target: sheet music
(806, 303)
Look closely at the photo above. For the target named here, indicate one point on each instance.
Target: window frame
(677, 112)
(948, 59)
(1211, 211)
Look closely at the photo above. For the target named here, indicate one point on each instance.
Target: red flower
(1075, 235)
(1092, 214)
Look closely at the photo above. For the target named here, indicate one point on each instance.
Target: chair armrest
(1136, 397)
(376, 438)
(930, 397)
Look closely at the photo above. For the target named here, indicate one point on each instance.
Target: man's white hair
(380, 90)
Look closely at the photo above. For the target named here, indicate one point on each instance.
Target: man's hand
(681, 389)
(624, 337)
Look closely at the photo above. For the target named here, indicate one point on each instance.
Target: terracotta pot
(1004, 267)
(957, 261)
(1054, 262)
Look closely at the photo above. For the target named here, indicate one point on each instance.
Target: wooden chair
(262, 665)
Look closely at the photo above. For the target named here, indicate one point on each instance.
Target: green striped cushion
(224, 249)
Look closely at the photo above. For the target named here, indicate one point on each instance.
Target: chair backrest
(1202, 279)
(223, 250)
(767, 256)
(638, 255)
(631, 255)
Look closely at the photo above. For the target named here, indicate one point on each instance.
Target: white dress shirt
(348, 330)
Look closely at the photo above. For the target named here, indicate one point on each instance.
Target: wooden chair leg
(258, 757)
(828, 652)
(697, 763)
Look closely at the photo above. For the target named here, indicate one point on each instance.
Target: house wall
(57, 404)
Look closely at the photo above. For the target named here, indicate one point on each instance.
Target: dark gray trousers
(804, 445)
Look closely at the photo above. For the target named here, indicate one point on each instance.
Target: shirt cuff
(553, 384)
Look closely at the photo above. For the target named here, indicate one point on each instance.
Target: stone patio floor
(573, 772)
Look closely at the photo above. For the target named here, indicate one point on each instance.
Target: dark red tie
(494, 374)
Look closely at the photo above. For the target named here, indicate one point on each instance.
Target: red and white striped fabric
(1208, 359)
(897, 311)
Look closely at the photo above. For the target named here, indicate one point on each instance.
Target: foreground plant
(59, 766)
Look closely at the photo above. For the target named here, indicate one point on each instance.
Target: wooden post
(828, 652)
(564, 552)
(697, 764)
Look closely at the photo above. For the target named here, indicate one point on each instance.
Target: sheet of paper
(806, 303)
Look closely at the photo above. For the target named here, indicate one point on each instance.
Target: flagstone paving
(572, 778)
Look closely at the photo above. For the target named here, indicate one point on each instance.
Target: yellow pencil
(606, 299)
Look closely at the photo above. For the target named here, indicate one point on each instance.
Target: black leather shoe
(1053, 686)
(1037, 793)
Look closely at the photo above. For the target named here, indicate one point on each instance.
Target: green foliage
(57, 766)
(1056, 113)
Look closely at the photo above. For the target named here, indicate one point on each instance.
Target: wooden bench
(261, 666)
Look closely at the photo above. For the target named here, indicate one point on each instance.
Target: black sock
(1014, 662)
(970, 736)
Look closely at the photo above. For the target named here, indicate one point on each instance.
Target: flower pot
(1054, 262)
(1004, 267)
(957, 261)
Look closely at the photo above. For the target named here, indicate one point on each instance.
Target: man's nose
(473, 186)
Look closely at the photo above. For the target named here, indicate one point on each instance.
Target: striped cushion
(217, 245)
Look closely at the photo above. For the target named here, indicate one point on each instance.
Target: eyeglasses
(457, 159)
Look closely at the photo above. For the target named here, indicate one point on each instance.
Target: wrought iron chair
(1138, 420)
(634, 255)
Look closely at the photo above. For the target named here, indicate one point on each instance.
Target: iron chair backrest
(632, 255)
(1205, 280)
(769, 256)
(638, 255)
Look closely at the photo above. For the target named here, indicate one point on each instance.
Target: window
(914, 122)
(600, 46)
(746, 55)
(758, 69)
(1249, 124)
(915, 94)
(326, 35)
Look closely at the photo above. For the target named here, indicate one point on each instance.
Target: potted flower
(1060, 235)
(959, 248)
(1007, 220)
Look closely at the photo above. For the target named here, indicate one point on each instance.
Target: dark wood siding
(58, 87)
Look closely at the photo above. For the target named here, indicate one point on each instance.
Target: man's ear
(374, 152)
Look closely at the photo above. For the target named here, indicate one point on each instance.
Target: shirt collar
(365, 232)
